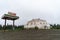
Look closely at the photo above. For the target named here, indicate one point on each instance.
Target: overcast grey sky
(48, 10)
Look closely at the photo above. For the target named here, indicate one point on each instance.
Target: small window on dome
(34, 23)
(40, 23)
(43, 23)
(31, 23)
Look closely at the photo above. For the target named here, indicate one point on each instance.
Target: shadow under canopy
(10, 17)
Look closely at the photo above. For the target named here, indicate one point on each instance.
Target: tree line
(21, 27)
(10, 27)
(55, 26)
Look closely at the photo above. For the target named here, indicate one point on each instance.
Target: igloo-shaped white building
(41, 24)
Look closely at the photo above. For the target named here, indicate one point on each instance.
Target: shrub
(36, 27)
(21, 27)
(4, 27)
(1, 27)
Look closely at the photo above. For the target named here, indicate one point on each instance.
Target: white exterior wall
(38, 23)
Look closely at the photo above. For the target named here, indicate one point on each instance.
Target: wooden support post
(4, 26)
(13, 24)
(5, 22)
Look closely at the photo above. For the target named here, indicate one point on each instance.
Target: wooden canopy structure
(10, 16)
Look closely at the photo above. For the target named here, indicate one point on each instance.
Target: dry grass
(30, 35)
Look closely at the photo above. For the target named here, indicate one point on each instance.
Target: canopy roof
(10, 17)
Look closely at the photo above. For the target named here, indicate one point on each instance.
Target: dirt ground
(31, 35)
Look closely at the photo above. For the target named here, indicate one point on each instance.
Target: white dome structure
(41, 24)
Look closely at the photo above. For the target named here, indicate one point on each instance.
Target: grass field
(53, 34)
